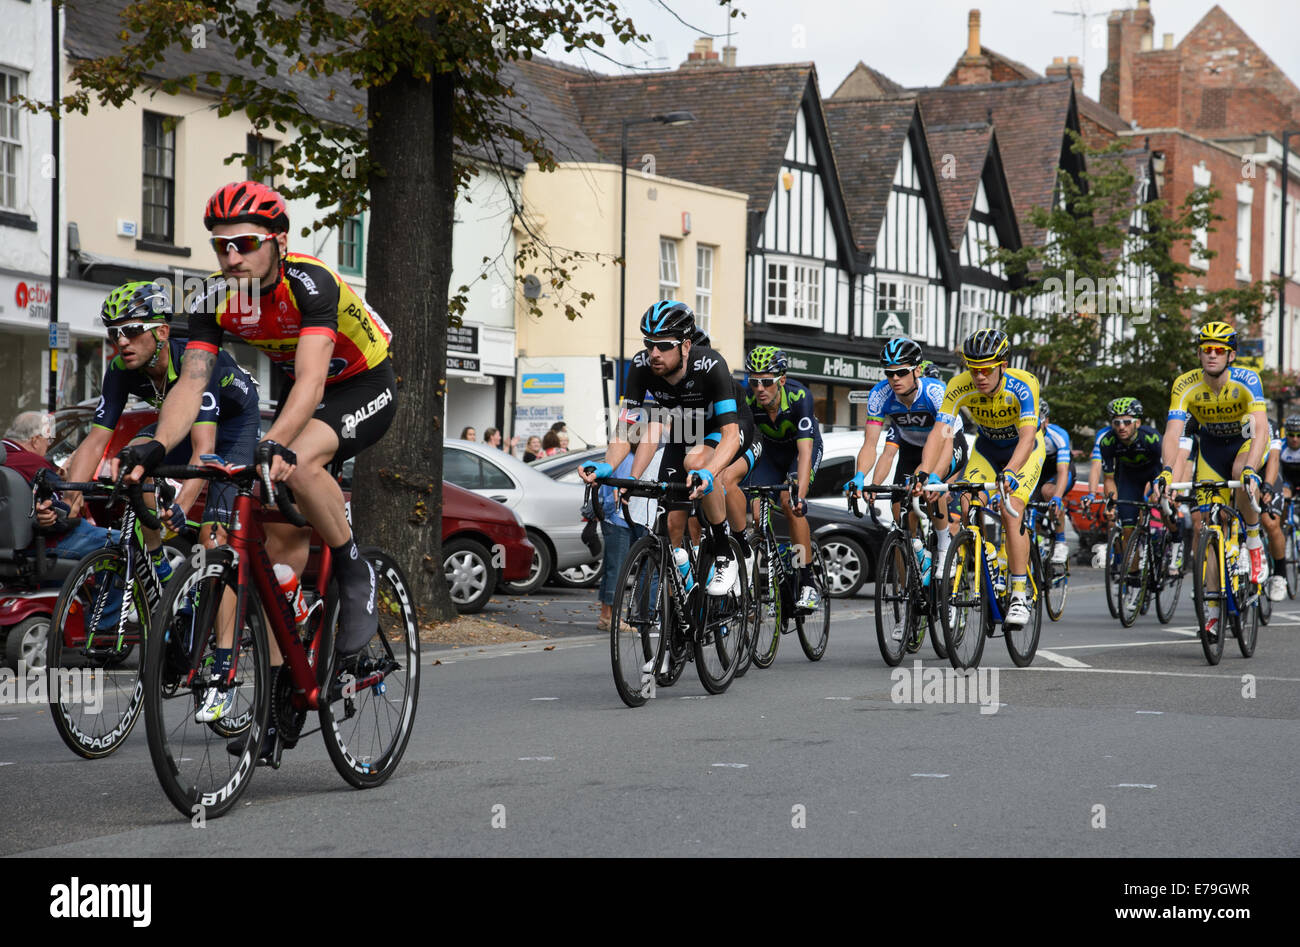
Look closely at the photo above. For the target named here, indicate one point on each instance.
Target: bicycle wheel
(1022, 643)
(1056, 579)
(963, 607)
(894, 613)
(815, 628)
(1207, 594)
(1133, 576)
(95, 694)
(196, 772)
(768, 602)
(751, 615)
(368, 721)
(641, 605)
(1292, 561)
(934, 595)
(1168, 587)
(1265, 605)
(1247, 623)
(721, 630)
(1114, 559)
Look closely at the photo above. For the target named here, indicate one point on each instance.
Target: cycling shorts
(780, 462)
(236, 442)
(909, 458)
(672, 468)
(1215, 462)
(990, 458)
(358, 409)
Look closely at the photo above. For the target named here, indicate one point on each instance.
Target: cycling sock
(1279, 566)
(358, 620)
(1252, 532)
(743, 542)
(1060, 536)
(718, 533)
(221, 666)
(804, 577)
(943, 540)
(1020, 583)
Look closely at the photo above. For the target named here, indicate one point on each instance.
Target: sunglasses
(765, 382)
(898, 372)
(1124, 422)
(1215, 349)
(132, 330)
(243, 243)
(982, 371)
(663, 345)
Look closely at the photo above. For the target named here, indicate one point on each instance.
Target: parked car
(472, 529)
(551, 512)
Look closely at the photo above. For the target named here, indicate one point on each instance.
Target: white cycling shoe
(725, 573)
(1017, 612)
(1276, 588)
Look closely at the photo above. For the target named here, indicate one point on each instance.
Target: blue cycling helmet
(668, 317)
(901, 351)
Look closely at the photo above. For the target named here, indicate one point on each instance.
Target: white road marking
(1156, 713)
(837, 698)
(8, 718)
(1061, 659)
(1134, 786)
(536, 759)
(6, 764)
(1120, 644)
(695, 697)
(1220, 677)
(930, 775)
(731, 765)
(543, 698)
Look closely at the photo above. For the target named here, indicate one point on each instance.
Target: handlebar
(244, 476)
(46, 484)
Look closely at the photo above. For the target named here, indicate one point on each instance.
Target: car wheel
(584, 576)
(471, 578)
(27, 642)
(846, 565)
(538, 573)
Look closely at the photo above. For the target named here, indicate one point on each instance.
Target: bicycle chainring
(288, 721)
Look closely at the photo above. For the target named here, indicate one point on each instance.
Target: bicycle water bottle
(292, 591)
(683, 563)
(922, 559)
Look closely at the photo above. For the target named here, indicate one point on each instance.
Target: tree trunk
(397, 497)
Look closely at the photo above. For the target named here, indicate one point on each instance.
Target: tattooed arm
(183, 401)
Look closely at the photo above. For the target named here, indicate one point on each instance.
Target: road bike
(365, 706)
(662, 617)
(774, 586)
(1056, 576)
(1148, 568)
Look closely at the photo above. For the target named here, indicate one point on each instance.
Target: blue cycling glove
(707, 477)
(934, 478)
(857, 483)
(601, 469)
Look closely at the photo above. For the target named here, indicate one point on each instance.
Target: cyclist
(910, 398)
(341, 394)
(1229, 404)
(693, 387)
(790, 444)
(1003, 403)
(1274, 488)
(1057, 478)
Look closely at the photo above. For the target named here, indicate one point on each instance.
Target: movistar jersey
(704, 400)
(999, 415)
(1223, 414)
(230, 390)
(1140, 454)
(909, 424)
(795, 419)
(308, 298)
(1057, 442)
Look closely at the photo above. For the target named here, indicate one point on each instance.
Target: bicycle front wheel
(894, 613)
(1133, 577)
(815, 628)
(191, 758)
(95, 692)
(1208, 594)
(722, 630)
(368, 720)
(1056, 579)
(1292, 560)
(640, 615)
(1022, 642)
(1247, 624)
(1168, 586)
(766, 600)
(962, 606)
(1114, 561)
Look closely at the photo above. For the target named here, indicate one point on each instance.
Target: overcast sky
(915, 43)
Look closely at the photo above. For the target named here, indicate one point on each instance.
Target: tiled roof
(543, 107)
(1030, 117)
(868, 135)
(863, 82)
(968, 146)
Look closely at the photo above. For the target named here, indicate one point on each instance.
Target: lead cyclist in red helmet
(332, 348)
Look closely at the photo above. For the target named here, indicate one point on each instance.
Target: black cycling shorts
(359, 409)
(672, 468)
(909, 458)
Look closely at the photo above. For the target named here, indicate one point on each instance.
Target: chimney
(1071, 68)
(702, 55)
(1169, 41)
(728, 55)
(1129, 33)
(1146, 43)
(974, 68)
(973, 48)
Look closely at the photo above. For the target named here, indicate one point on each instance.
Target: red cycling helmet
(247, 202)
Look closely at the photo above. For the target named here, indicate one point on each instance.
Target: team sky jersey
(230, 390)
(794, 421)
(308, 299)
(1288, 459)
(999, 415)
(909, 424)
(704, 400)
(1142, 453)
(1221, 415)
(1057, 442)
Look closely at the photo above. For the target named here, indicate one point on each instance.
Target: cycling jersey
(1140, 456)
(701, 403)
(1288, 459)
(307, 298)
(909, 424)
(1057, 442)
(999, 415)
(1222, 415)
(230, 390)
(750, 447)
(795, 420)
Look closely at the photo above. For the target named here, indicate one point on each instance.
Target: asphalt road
(522, 751)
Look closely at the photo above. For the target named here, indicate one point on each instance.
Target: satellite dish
(532, 287)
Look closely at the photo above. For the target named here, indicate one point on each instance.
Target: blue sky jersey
(909, 424)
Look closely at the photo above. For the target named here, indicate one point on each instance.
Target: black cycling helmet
(1122, 406)
(985, 347)
(668, 317)
(930, 370)
(1292, 425)
(1043, 409)
(900, 351)
(700, 337)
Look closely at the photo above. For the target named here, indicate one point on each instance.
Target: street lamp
(1281, 259)
(668, 118)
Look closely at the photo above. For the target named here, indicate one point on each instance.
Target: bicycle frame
(1236, 524)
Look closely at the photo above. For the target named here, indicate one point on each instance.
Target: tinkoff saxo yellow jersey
(1225, 414)
(999, 415)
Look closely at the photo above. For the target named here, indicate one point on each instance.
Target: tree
(1098, 233)
(431, 72)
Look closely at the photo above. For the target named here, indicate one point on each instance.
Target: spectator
(533, 449)
(619, 535)
(558, 427)
(550, 444)
(564, 442)
(492, 437)
(468, 434)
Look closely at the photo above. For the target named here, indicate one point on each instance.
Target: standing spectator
(533, 449)
(492, 437)
(564, 442)
(550, 444)
(468, 434)
(558, 427)
(619, 535)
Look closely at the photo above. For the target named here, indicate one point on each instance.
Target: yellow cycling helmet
(1218, 333)
(985, 347)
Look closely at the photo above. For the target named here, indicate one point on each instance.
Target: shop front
(480, 379)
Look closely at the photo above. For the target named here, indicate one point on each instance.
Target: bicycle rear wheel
(815, 628)
(894, 613)
(1168, 587)
(766, 599)
(1022, 643)
(1292, 560)
(368, 721)
(1114, 562)
(1056, 578)
(721, 631)
(640, 613)
(194, 768)
(1133, 575)
(1247, 624)
(963, 609)
(1208, 595)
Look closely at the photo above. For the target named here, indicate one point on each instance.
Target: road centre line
(1236, 678)
(1061, 659)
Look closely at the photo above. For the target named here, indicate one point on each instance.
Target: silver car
(551, 511)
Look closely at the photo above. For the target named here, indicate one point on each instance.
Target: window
(471, 472)
(10, 140)
(974, 312)
(351, 256)
(668, 281)
(261, 149)
(794, 292)
(159, 203)
(830, 475)
(494, 478)
(703, 287)
(1200, 236)
(1243, 241)
(899, 295)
